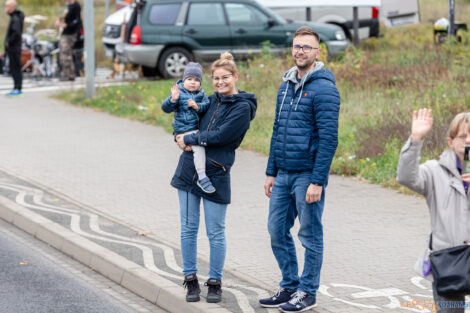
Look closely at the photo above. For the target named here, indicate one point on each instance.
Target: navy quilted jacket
(186, 118)
(305, 131)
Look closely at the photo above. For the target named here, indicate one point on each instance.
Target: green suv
(163, 35)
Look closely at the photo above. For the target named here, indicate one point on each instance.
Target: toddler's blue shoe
(206, 185)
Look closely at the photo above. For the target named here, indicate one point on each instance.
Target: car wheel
(173, 62)
(149, 71)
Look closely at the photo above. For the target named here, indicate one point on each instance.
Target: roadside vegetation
(381, 83)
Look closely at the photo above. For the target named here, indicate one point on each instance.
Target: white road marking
(416, 280)
(387, 292)
(147, 253)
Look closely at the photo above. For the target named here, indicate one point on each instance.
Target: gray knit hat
(193, 70)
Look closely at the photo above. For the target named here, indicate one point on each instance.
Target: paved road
(122, 168)
(36, 278)
(31, 84)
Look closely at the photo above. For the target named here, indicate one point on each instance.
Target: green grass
(381, 83)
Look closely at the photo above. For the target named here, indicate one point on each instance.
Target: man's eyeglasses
(305, 49)
(224, 78)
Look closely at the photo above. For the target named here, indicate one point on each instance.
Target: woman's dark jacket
(221, 131)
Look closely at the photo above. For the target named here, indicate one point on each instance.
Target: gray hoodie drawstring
(300, 97)
(282, 103)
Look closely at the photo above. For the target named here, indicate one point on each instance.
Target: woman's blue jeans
(214, 214)
(286, 203)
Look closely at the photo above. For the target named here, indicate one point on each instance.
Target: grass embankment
(380, 85)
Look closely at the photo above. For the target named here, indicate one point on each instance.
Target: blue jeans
(215, 228)
(287, 201)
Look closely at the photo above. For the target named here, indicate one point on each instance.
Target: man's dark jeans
(14, 57)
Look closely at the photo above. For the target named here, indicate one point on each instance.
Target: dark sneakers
(282, 296)
(191, 283)
(300, 302)
(214, 294)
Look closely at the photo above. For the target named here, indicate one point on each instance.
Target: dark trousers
(14, 56)
(454, 304)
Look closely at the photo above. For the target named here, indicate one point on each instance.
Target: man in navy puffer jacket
(304, 141)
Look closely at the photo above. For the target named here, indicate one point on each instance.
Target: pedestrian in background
(71, 23)
(445, 186)
(221, 130)
(303, 143)
(13, 42)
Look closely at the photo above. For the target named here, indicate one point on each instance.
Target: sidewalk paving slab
(120, 170)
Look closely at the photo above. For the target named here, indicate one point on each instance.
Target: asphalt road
(36, 278)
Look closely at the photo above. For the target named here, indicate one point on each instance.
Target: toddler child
(187, 100)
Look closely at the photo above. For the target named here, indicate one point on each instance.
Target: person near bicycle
(70, 23)
(13, 45)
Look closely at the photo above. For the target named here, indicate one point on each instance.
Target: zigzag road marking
(147, 253)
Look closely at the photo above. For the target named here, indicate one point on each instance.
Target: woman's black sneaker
(191, 283)
(214, 294)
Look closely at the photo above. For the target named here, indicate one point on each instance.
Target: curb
(143, 282)
(227, 268)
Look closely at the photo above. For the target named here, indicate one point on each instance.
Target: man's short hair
(307, 31)
(11, 2)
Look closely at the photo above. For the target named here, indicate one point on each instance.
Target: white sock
(201, 175)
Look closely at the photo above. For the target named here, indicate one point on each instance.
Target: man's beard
(306, 66)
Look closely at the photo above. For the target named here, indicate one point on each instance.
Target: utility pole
(89, 50)
(106, 8)
(309, 14)
(451, 18)
(356, 26)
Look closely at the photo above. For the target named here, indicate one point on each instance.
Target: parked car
(163, 35)
(112, 28)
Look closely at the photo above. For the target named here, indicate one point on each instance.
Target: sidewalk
(122, 169)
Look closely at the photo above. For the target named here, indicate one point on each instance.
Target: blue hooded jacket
(222, 129)
(305, 130)
(186, 118)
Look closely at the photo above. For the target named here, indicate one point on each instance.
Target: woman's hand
(180, 142)
(421, 125)
(466, 177)
(175, 93)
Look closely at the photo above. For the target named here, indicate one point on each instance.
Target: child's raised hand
(193, 104)
(175, 93)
